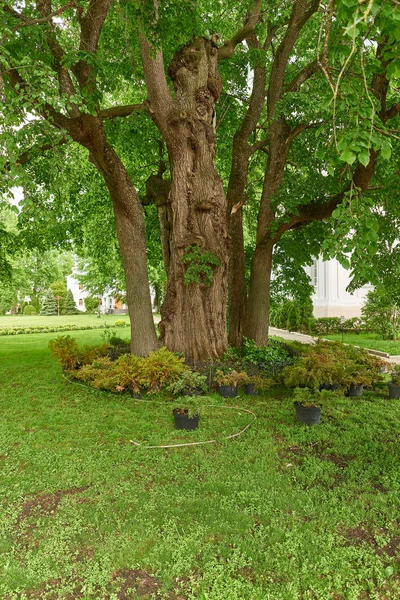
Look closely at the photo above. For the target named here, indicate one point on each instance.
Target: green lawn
(9, 321)
(284, 512)
(368, 340)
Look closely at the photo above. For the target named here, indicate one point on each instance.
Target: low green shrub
(66, 349)
(160, 368)
(51, 328)
(29, 309)
(188, 382)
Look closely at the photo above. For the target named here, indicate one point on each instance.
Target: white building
(108, 303)
(330, 298)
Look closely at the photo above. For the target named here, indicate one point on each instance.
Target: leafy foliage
(188, 382)
(199, 265)
(381, 313)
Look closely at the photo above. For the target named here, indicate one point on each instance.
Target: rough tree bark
(130, 228)
(241, 153)
(193, 315)
(280, 138)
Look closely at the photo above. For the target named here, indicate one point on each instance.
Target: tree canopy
(232, 132)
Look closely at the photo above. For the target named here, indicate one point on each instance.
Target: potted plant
(229, 382)
(190, 383)
(394, 384)
(256, 383)
(356, 377)
(307, 405)
(320, 366)
(187, 413)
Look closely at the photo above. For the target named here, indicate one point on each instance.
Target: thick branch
(66, 85)
(123, 111)
(302, 76)
(91, 23)
(301, 13)
(315, 211)
(392, 112)
(227, 50)
(161, 101)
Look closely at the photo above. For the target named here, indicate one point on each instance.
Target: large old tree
(283, 115)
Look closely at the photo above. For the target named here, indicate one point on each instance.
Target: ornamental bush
(29, 309)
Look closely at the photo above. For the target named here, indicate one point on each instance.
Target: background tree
(69, 306)
(49, 305)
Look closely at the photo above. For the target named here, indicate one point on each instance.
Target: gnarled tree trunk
(193, 315)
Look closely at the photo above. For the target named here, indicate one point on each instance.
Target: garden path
(308, 339)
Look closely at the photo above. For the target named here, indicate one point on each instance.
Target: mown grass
(368, 340)
(284, 512)
(8, 321)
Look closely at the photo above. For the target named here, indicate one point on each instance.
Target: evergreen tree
(49, 305)
(69, 306)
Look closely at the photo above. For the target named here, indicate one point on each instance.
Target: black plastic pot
(394, 389)
(310, 415)
(228, 391)
(328, 386)
(183, 421)
(249, 389)
(355, 391)
(193, 392)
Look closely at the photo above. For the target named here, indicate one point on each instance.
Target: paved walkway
(308, 339)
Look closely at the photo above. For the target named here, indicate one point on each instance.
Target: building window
(80, 302)
(80, 286)
(101, 302)
(314, 275)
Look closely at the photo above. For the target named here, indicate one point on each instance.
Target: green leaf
(386, 152)
(363, 157)
(348, 156)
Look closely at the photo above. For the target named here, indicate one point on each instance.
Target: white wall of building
(330, 298)
(79, 293)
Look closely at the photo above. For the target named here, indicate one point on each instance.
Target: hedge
(57, 328)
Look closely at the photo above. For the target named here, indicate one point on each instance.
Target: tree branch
(302, 76)
(161, 101)
(65, 82)
(227, 50)
(301, 13)
(91, 23)
(315, 211)
(20, 87)
(25, 157)
(123, 111)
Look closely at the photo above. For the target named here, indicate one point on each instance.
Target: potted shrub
(355, 379)
(229, 382)
(307, 405)
(190, 383)
(187, 413)
(394, 384)
(256, 383)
